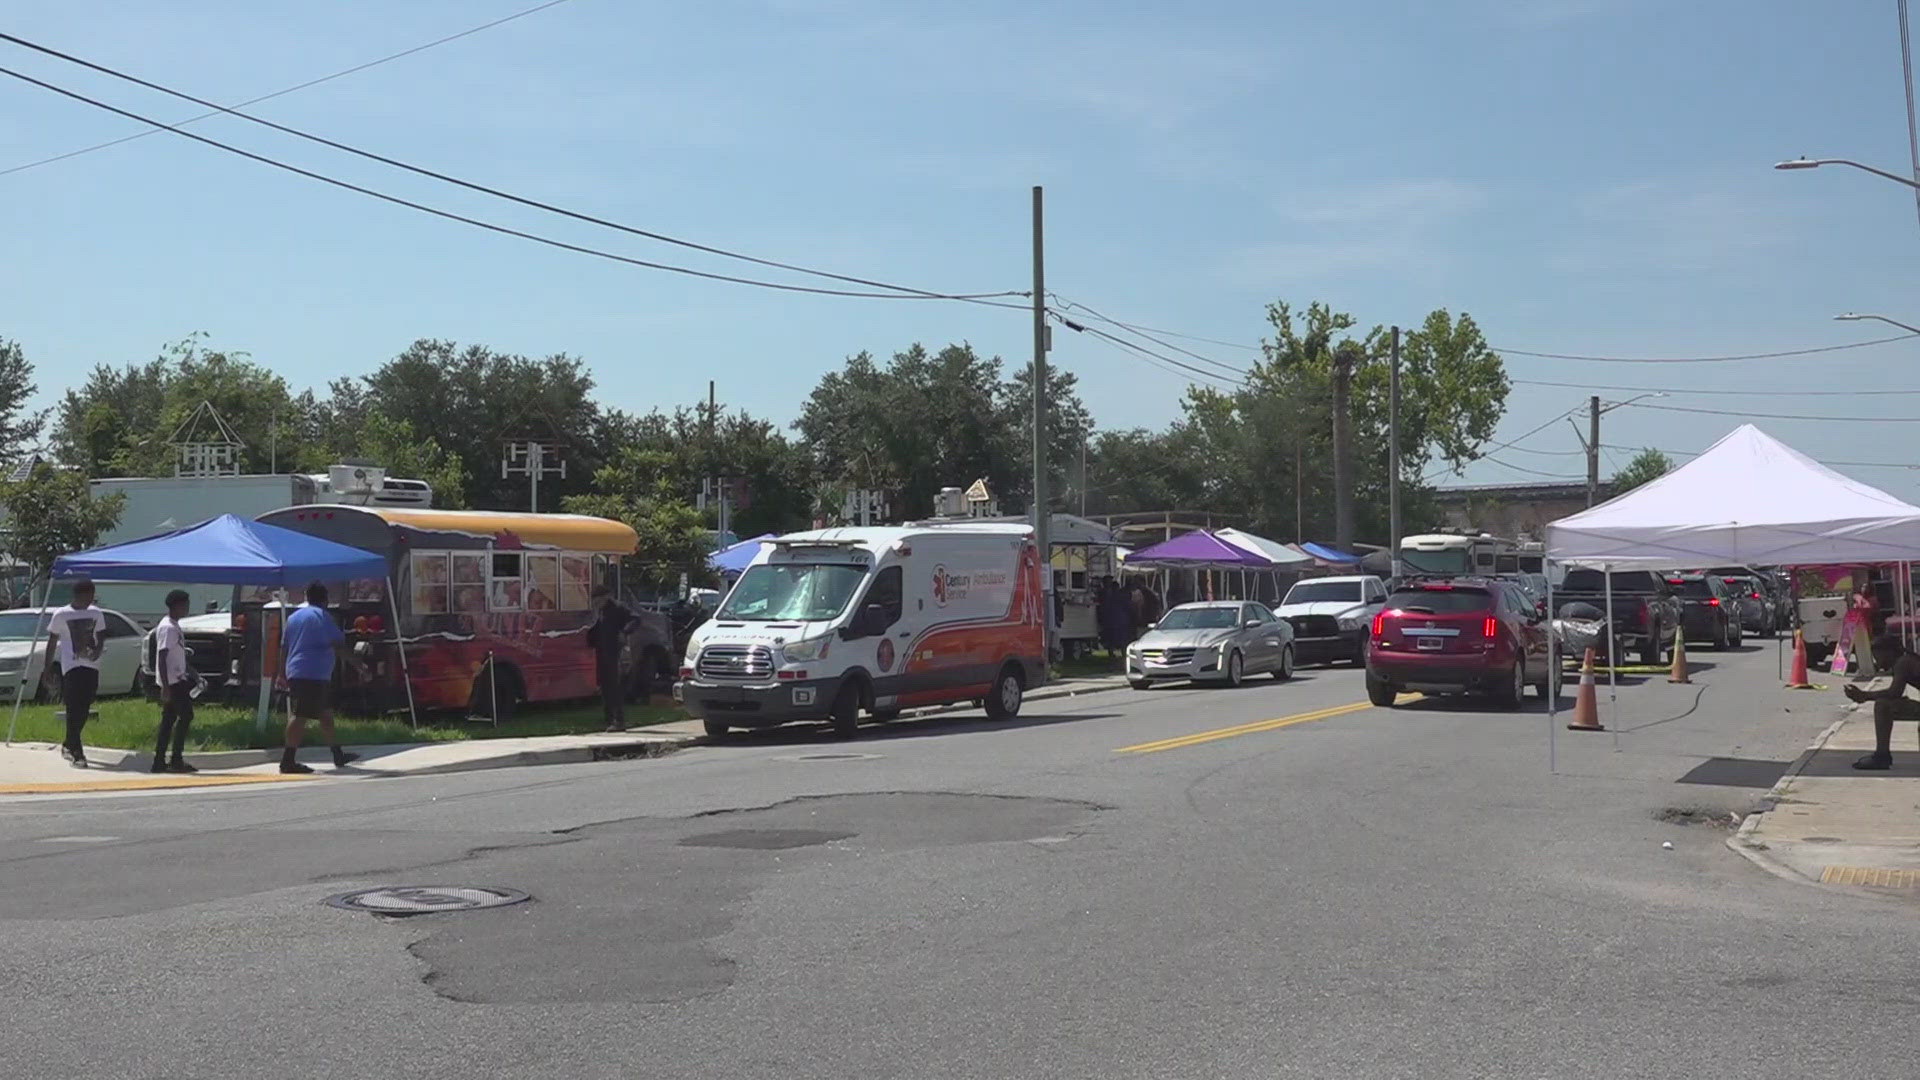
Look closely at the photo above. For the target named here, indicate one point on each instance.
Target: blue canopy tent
(735, 559)
(230, 550)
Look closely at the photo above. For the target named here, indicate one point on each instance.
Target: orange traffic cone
(1679, 673)
(1797, 676)
(1586, 706)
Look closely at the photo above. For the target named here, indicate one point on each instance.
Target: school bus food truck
(828, 623)
(492, 606)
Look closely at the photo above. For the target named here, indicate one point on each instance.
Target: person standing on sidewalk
(176, 686)
(605, 636)
(1893, 704)
(79, 632)
(311, 643)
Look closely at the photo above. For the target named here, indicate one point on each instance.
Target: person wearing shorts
(312, 643)
(1892, 705)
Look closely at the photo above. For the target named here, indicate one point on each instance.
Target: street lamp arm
(1851, 317)
(1811, 163)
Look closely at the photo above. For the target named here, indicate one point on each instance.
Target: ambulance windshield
(792, 592)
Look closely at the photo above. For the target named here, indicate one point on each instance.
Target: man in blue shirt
(310, 644)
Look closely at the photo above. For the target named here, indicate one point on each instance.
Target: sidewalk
(38, 769)
(1830, 824)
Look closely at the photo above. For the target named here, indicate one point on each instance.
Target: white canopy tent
(1275, 552)
(1749, 500)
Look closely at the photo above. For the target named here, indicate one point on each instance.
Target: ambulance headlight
(806, 652)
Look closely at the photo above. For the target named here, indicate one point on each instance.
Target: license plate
(1429, 644)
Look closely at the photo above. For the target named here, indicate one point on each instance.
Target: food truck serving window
(504, 584)
(470, 582)
(430, 583)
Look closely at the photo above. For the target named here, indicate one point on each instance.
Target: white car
(1331, 617)
(23, 655)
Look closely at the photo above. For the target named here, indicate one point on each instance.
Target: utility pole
(1342, 450)
(1041, 518)
(1593, 450)
(1393, 456)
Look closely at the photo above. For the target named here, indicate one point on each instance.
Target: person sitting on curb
(1892, 656)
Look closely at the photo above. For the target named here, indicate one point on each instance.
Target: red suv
(1462, 636)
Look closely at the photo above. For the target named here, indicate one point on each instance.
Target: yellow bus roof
(572, 532)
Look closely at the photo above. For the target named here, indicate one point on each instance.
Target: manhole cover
(765, 839)
(426, 899)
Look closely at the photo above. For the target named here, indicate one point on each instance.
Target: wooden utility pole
(1041, 517)
(1342, 450)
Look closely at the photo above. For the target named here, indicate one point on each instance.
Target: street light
(1851, 317)
(1814, 163)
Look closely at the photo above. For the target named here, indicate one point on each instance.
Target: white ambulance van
(828, 623)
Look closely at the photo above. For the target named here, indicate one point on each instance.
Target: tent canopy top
(1749, 500)
(1200, 551)
(1273, 551)
(227, 550)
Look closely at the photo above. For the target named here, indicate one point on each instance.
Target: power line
(1502, 446)
(1524, 469)
(1066, 304)
(981, 298)
(1855, 464)
(1781, 416)
(1717, 393)
(482, 188)
(1703, 359)
(356, 69)
(1157, 359)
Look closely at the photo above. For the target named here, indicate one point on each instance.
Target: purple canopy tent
(1199, 551)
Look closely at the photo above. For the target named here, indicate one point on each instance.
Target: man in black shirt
(605, 637)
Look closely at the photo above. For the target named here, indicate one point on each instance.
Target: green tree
(1646, 466)
(19, 428)
(772, 477)
(50, 513)
(640, 488)
(391, 443)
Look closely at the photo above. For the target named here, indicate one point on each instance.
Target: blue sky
(1583, 176)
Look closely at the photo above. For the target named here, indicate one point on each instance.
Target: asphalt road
(1269, 882)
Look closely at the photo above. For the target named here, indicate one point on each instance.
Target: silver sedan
(1220, 641)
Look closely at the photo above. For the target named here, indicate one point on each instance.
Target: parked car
(1219, 641)
(1330, 617)
(1644, 612)
(1776, 596)
(1751, 603)
(1707, 612)
(1470, 635)
(23, 654)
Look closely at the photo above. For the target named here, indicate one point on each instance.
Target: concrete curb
(1757, 851)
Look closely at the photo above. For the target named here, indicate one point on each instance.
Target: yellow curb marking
(147, 783)
(1867, 875)
(1182, 741)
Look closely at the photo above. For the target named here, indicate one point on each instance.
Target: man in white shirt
(176, 686)
(78, 631)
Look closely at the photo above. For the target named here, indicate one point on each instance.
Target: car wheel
(1550, 689)
(845, 714)
(1508, 694)
(1008, 693)
(1721, 638)
(1381, 692)
(494, 694)
(1650, 651)
(716, 729)
(1285, 670)
(884, 715)
(1770, 629)
(1236, 668)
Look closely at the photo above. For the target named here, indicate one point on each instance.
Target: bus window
(576, 582)
(504, 591)
(543, 582)
(470, 582)
(430, 583)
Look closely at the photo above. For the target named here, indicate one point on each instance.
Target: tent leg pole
(263, 709)
(20, 691)
(1553, 674)
(1613, 665)
(400, 642)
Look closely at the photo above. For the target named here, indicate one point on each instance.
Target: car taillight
(1645, 615)
(1490, 629)
(1753, 596)
(1713, 601)
(1379, 623)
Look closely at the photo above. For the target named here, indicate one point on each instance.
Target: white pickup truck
(1332, 616)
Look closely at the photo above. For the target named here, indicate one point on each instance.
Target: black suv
(1708, 611)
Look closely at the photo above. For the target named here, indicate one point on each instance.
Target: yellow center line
(146, 783)
(1199, 737)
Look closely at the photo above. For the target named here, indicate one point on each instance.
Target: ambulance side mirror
(870, 621)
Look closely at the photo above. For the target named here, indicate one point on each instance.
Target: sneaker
(78, 761)
(295, 767)
(160, 765)
(180, 766)
(1873, 762)
(344, 758)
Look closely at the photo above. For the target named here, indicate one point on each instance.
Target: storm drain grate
(426, 899)
(1868, 875)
